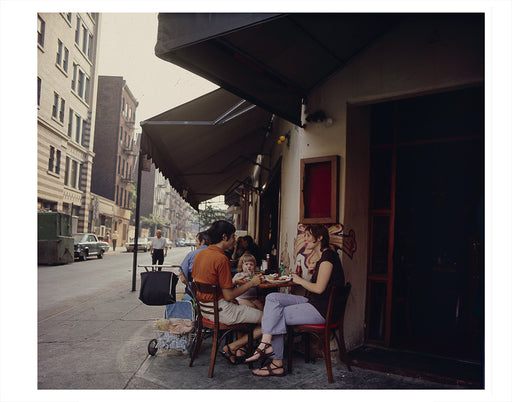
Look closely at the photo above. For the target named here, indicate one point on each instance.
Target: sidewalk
(102, 344)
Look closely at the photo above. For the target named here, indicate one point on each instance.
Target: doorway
(425, 273)
(269, 216)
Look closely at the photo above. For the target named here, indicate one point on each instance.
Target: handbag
(158, 288)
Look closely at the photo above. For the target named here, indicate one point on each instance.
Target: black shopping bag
(158, 288)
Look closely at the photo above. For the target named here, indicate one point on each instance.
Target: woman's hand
(296, 278)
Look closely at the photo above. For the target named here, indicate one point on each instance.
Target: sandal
(271, 371)
(260, 353)
(229, 354)
(241, 357)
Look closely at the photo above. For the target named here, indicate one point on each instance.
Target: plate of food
(278, 279)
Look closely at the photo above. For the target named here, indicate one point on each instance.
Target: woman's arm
(324, 274)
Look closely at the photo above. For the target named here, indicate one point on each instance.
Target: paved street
(62, 287)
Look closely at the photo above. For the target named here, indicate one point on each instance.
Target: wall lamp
(284, 137)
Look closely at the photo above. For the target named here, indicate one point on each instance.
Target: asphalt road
(63, 287)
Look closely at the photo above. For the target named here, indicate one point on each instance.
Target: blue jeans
(283, 309)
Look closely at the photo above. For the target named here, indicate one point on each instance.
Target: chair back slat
(205, 305)
(337, 303)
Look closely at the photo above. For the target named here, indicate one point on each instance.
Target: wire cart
(177, 330)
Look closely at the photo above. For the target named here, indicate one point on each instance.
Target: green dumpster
(55, 243)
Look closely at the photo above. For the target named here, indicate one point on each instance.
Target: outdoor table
(265, 287)
(268, 285)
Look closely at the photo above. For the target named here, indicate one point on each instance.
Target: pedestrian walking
(158, 249)
(114, 240)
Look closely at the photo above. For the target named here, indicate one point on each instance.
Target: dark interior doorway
(269, 215)
(434, 149)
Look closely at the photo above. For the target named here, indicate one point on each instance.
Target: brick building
(116, 152)
(66, 79)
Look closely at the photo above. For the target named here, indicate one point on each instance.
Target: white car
(143, 244)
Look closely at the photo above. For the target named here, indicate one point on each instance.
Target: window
(62, 56)
(54, 160)
(62, 110)
(38, 91)
(319, 190)
(73, 81)
(84, 125)
(60, 51)
(57, 163)
(55, 109)
(70, 123)
(77, 30)
(66, 58)
(51, 160)
(66, 171)
(59, 106)
(68, 17)
(78, 128)
(80, 83)
(89, 51)
(86, 94)
(41, 26)
(85, 37)
(79, 179)
(74, 174)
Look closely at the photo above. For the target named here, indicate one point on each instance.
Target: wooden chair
(334, 320)
(205, 306)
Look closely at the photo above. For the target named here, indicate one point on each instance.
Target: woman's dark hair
(204, 236)
(249, 240)
(219, 228)
(317, 231)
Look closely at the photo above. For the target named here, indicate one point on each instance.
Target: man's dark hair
(317, 231)
(219, 228)
(204, 236)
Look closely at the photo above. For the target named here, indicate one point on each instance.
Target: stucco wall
(422, 55)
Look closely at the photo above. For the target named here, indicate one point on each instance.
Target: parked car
(87, 245)
(143, 244)
(180, 242)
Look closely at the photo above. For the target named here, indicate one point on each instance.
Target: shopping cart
(178, 328)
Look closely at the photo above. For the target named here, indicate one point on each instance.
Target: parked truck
(54, 239)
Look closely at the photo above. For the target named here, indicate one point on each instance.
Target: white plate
(276, 280)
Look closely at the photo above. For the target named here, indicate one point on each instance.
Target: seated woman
(286, 309)
(246, 268)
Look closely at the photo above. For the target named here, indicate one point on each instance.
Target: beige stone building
(66, 82)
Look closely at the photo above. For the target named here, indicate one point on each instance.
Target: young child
(246, 267)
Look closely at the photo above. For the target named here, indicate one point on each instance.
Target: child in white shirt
(246, 268)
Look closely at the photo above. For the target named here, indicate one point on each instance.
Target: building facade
(66, 84)
(170, 206)
(116, 151)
